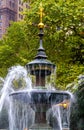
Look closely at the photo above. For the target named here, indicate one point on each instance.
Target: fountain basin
(42, 96)
(41, 101)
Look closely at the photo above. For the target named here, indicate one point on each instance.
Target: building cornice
(7, 10)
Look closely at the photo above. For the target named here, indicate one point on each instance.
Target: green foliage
(1, 82)
(80, 94)
(63, 39)
(19, 83)
(11, 47)
(67, 73)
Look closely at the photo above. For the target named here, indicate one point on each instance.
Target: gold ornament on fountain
(41, 24)
(64, 104)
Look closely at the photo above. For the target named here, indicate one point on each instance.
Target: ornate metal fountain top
(40, 66)
(41, 51)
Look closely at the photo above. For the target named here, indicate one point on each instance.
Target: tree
(13, 47)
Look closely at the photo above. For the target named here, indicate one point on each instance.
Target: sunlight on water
(21, 115)
(54, 117)
(14, 74)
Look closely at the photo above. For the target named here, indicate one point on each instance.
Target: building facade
(10, 10)
(20, 8)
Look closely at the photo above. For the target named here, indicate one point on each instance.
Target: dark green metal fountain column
(40, 67)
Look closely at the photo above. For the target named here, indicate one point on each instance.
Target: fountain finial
(41, 24)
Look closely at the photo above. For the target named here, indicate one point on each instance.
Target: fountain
(38, 108)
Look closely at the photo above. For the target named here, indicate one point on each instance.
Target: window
(20, 9)
(22, 3)
(0, 2)
(12, 18)
(0, 17)
(20, 16)
(13, 5)
(0, 24)
(19, 1)
(27, 6)
(10, 3)
(0, 30)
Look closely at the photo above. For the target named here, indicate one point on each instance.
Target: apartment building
(10, 10)
(20, 8)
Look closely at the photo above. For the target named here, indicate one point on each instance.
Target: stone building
(10, 10)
